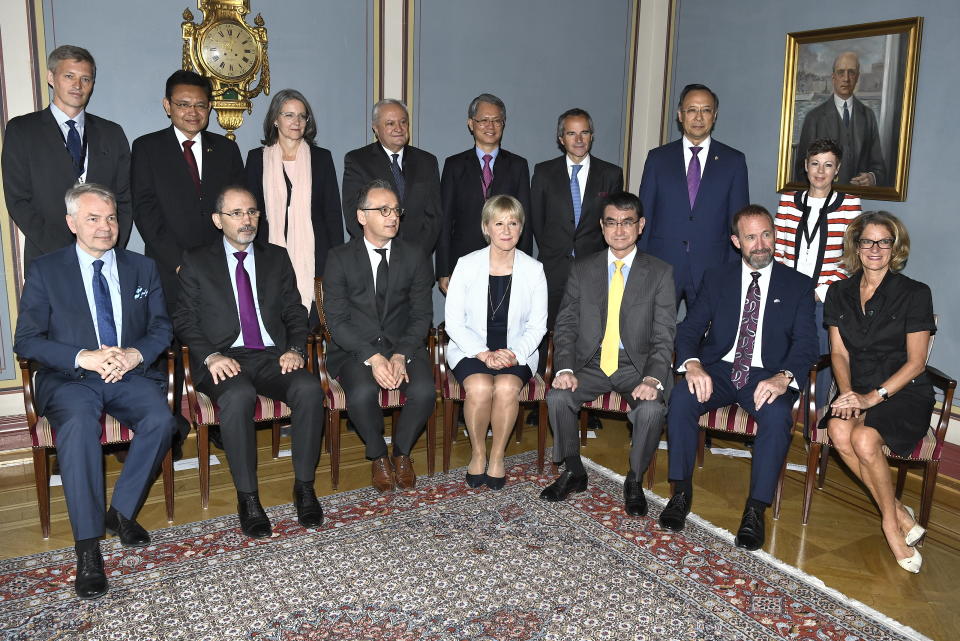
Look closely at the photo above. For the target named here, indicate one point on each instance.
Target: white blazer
(465, 315)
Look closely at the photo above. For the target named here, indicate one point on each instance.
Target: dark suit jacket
(697, 237)
(350, 304)
(55, 322)
(324, 201)
(421, 223)
(170, 215)
(648, 316)
(37, 172)
(206, 318)
(789, 330)
(861, 151)
(461, 191)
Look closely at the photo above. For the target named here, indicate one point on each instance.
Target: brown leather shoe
(382, 472)
(406, 478)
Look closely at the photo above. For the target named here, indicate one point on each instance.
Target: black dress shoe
(309, 512)
(634, 500)
(751, 533)
(91, 579)
(674, 516)
(593, 422)
(497, 482)
(131, 533)
(253, 520)
(565, 485)
(533, 418)
(216, 438)
(476, 480)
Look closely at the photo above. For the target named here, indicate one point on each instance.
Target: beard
(760, 258)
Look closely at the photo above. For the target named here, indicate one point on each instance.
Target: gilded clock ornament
(231, 53)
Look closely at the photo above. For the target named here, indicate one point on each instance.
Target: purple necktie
(693, 175)
(249, 325)
(487, 174)
(740, 373)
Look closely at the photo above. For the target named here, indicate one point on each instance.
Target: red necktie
(191, 163)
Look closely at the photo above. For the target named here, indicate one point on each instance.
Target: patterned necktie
(75, 148)
(575, 195)
(106, 325)
(740, 373)
(191, 163)
(846, 115)
(398, 177)
(610, 347)
(693, 175)
(383, 273)
(487, 175)
(249, 325)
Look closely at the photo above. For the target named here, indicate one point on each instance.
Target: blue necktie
(101, 296)
(398, 177)
(75, 148)
(846, 115)
(575, 195)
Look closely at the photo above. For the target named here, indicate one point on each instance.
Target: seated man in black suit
(243, 344)
(77, 303)
(749, 331)
(378, 302)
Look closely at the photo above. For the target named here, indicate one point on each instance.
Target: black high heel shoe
(496, 482)
(476, 480)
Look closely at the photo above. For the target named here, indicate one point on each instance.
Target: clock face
(228, 50)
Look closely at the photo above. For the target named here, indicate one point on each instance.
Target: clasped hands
(110, 362)
(767, 391)
(850, 404)
(223, 367)
(498, 359)
(389, 373)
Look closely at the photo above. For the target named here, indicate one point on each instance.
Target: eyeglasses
(693, 111)
(386, 211)
(868, 243)
(496, 122)
(289, 116)
(187, 106)
(237, 214)
(629, 223)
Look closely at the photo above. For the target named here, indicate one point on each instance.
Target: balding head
(846, 72)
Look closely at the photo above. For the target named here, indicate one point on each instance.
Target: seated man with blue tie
(93, 317)
(749, 331)
(240, 313)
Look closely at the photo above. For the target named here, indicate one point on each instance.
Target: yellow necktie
(610, 347)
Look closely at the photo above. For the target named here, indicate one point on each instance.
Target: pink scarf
(299, 241)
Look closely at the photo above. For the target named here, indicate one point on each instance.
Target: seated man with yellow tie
(614, 332)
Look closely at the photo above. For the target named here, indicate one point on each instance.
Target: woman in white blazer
(496, 316)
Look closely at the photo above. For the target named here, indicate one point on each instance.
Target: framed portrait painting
(855, 85)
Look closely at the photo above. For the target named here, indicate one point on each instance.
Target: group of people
(232, 251)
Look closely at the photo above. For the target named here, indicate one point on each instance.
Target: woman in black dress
(880, 326)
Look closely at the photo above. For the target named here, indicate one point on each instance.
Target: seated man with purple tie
(240, 313)
(760, 317)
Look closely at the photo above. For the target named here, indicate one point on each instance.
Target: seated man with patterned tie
(93, 317)
(614, 332)
(243, 344)
(760, 317)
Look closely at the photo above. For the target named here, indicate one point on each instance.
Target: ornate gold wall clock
(230, 52)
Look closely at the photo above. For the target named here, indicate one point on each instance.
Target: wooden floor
(842, 545)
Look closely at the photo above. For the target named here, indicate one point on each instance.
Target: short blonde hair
(901, 239)
(500, 204)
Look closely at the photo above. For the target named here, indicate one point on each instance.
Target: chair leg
(583, 426)
(518, 425)
(901, 478)
(541, 435)
(779, 492)
(822, 468)
(701, 445)
(432, 441)
(929, 485)
(203, 451)
(41, 474)
(449, 431)
(333, 427)
(813, 457)
(275, 440)
(166, 470)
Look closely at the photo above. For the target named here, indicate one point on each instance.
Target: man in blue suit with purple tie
(690, 190)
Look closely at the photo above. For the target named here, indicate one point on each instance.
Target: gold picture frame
(876, 130)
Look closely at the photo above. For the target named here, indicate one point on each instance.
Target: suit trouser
(74, 411)
(237, 397)
(770, 445)
(363, 403)
(645, 416)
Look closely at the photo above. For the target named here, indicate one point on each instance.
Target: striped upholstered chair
(43, 440)
(611, 403)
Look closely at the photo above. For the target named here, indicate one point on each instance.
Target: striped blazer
(838, 211)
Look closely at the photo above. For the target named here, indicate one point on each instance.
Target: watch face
(228, 50)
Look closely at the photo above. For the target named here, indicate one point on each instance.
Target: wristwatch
(884, 394)
(787, 373)
(298, 350)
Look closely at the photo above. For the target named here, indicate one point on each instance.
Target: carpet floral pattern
(440, 563)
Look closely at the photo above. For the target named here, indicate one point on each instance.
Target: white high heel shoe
(911, 563)
(916, 532)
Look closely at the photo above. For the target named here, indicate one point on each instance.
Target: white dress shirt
(249, 264)
(374, 256)
(688, 155)
(764, 282)
(809, 251)
(582, 175)
(838, 103)
(80, 123)
(196, 149)
(109, 271)
(398, 153)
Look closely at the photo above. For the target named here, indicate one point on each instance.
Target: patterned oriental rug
(441, 563)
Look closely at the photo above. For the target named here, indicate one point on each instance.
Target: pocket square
(776, 300)
(140, 293)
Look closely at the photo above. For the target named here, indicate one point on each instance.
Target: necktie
(191, 163)
(693, 175)
(575, 195)
(249, 325)
(740, 373)
(846, 115)
(398, 177)
(487, 174)
(75, 148)
(610, 347)
(101, 298)
(383, 273)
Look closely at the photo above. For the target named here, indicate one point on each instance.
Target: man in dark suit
(48, 151)
(243, 344)
(742, 342)
(690, 190)
(849, 122)
(92, 316)
(472, 176)
(565, 203)
(614, 332)
(378, 302)
(413, 175)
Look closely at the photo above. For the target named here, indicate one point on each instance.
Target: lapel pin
(716, 157)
